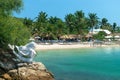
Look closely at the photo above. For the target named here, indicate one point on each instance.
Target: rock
(34, 71)
(12, 68)
(7, 60)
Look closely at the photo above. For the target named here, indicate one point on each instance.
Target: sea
(82, 64)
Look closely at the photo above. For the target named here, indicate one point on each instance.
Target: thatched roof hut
(89, 35)
(71, 36)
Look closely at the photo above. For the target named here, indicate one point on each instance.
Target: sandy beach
(69, 46)
(57, 46)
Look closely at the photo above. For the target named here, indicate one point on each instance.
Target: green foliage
(58, 27)
(12, 31)
(100, 35)
(114, 27)
(70, 23)
(81, 23)
(92, 20)
(8, 6)
(42, 17)
(41, 23)
(104, 22)
(77, 23)
(29, 24)
(49, 28)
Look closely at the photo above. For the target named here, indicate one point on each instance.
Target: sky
(109, 9)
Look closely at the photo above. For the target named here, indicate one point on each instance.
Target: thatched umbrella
(88, 35)
(72, 36)
(64, 37)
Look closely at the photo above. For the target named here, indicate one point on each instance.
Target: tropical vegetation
(17, 31)
(52, 28)
(12, 30)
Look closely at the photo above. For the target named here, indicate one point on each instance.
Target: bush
(100, 36)
(12, 31)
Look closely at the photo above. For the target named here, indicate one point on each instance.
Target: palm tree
(79, 20)
(93, 20)
(113, 29)
(30, 24)
(53, 20)
(42, 17)
(70, 23)
(81, 23)
(104, 22)
(41, 23)
(58, 27)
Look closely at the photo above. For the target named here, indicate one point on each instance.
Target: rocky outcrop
(34, 71)
(12, 69)
(7, 60)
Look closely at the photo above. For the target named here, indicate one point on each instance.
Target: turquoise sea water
(82, 64)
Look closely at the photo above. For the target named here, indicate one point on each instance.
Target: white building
(95, 31)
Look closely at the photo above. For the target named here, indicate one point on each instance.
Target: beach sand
(69, 46)
(57, 46)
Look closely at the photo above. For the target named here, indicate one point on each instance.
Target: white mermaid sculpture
(24, 53)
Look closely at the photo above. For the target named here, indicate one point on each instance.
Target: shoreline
(40, 47)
